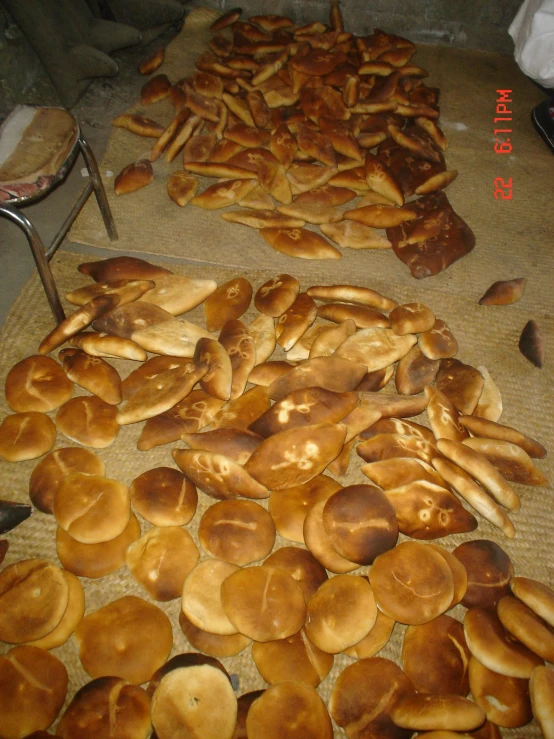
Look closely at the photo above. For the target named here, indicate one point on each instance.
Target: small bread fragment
(133, 177)
(532, 343)
(139, 125)
(154, 62)
(182, 187)
(157, 88)
(504, 292)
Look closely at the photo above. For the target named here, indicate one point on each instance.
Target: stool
(37, 149)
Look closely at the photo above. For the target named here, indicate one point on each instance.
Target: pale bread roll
(37, 383)
(96, 560)
(127, 638)
(33, 687)
(50, 472)
(198, 700)
(26, 436)
(538, 596)
(202, 598)
(161, 560)
(431, 711)
(177, 294)
(527, 627)
(33, 598)
(92, 508)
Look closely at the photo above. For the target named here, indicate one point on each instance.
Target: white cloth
(533, 33)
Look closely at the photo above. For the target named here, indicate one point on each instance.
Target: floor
(104, 99)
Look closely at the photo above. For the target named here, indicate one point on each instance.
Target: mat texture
(513, 236)
(485, 335)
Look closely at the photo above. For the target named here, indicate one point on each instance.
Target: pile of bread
(260, 434)
(286, 119)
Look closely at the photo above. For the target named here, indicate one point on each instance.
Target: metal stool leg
(39, 254)
(98, 187)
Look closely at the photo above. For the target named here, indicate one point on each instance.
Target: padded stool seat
(37, 148)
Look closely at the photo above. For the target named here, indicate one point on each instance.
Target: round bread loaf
(107, 706)
(50, 471)
(505, 700)
(237, 531)
(289, 508)
(202, 598)
(541, 687)
(360, 523)
(96, 560)
(127, 638)
(164, 497)
(161, 560)
(196, 701)
(365, 694)
(489, 571)
(412, 583)
(72, 616)
(33, 598)
(37, 383)
(263, 603)
(527, 627)
(288, 709)
(341, 613)
(294, 659)
(243, 706)
(215, 645)
(33, 686)
(493, 647)
(88, 420)
(430, 712)
(435, 656)
(459, 573)
(92, 508)
(303, 567)
(26, 436)
(536, 595)
(371, 644)
(320, 545)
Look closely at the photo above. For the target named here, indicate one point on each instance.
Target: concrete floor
(104, 99)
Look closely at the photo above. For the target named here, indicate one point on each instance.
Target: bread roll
(127, 638)
(438, 342)
(459, 573)
(164, 497)
(378, 636)
(161, 560)
(332, 373)
(294, 659)
(177, 294)
(527, 627)
(217, 475)
(505, 700)
(541, 686)
(26, 436)
(461, 383)
(430, 711)
(237, 531)
(96, 560)
(274, 608)
(198, 700)
(299, 242)
(105, 345)
(366, 692)
(73, 614)
(277, 295)
(139, 125)
(303, 567)
(289, 709)
(121, 268)
(341, 613)
(33, 598)
(78, 321)
(319, 544)
(157, 88)
(89, 421)
(535, 595)
(375, 348)
(202, 598)
(124, 320)
(107, 705)
(412, 583)
(215, 645)
(489, 571)
(33, 686)
(93, 374)
(92, 508)
(37, 383)
(435, 657)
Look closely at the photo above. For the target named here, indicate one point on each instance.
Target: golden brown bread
(26, 436)
(37, 383)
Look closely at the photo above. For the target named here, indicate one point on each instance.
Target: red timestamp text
(503, 189)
